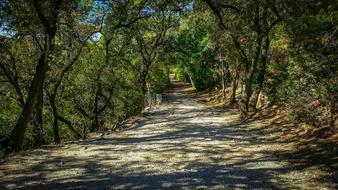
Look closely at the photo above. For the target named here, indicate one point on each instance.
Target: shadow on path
(180, 145)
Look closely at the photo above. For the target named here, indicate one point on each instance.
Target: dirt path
(179, 145)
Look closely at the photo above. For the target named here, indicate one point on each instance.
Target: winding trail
(181, 144)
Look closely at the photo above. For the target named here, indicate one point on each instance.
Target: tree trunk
(248, 75)
(57, 138)
(262, 71)
(95, 115)
(17, 136)
(234, 87)
(70, 126)
(245, 96)
(144, 84)
(333, 113)
(49, 23)
(223, 80)
(37, 122)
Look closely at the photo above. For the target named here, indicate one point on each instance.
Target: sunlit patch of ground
(182, 144)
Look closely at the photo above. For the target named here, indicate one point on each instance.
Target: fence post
(158, 99)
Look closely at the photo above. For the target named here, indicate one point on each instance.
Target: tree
(47, 14)
(260, 22)
(149, 35)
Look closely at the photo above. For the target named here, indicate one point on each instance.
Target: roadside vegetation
(70, 68)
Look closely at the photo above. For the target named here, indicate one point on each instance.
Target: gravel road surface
(181, 144)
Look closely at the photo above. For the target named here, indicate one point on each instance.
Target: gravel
(181, 144)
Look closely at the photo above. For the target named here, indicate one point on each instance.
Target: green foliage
(94, 81)
(308, 82)
(159, 79)
(204, 78)
(127, 103)
(98, 81)
(180, 73)
(196, 59)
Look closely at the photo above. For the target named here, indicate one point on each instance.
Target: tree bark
(70, 126)
(53, 96)
(57, 138)
(95, 119)
(144, 84)
(144, 74)
(234, 86)
(333, 113)
(245, 96)
(17, 136)
(48, 19)
(251, 68)
(52, 103)
(262, 71)
(223, 78)
(38, 138)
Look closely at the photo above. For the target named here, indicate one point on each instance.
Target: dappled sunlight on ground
(180, 145)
